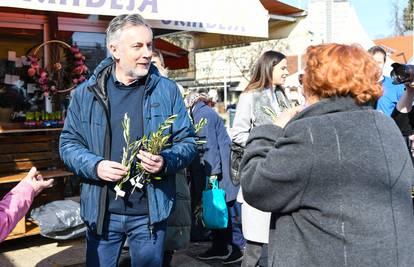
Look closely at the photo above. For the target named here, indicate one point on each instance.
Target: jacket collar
(198, 105)
(331, 105)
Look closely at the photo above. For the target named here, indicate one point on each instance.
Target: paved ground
(43, 252)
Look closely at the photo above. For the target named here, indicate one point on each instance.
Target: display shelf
(19, 127)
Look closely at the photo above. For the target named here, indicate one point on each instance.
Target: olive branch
(269, 112)
(197, 127)
(154, 145)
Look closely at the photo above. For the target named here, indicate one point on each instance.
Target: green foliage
(157, 140)
(200, 125)
(269, 112)
(154, 145)
(126, 123)
(197, 127)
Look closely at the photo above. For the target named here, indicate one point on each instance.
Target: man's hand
(111, 171)
(151, 163)
(36, 181)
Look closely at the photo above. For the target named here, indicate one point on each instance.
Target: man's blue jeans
(145, 249)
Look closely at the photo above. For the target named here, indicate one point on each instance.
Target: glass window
(15, 44)
(92, 46)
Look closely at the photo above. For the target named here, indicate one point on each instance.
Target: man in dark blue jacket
(91, 145)
(213, 163)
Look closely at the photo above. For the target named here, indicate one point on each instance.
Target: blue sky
(375, 15)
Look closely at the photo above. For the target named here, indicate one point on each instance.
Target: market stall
(48, 47)
(43, 33)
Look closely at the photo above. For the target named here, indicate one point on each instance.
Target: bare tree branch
(245, 62)
(397, 22)
(408, 16)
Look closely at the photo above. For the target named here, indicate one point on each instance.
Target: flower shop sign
(236, 17)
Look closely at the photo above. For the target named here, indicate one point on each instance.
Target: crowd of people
(327, 183)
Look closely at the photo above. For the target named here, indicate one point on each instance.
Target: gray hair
(194, 97)
(114, 30)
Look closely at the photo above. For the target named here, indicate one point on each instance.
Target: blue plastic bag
(215, 214)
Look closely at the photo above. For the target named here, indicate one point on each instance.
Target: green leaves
(154, 145)
(200, 125)
(167, 124)
(270, 112)
(157, 141)
(126, 124)
(197, 128)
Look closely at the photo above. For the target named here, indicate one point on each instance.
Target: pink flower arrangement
(74, 73)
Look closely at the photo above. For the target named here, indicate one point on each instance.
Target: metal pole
(46, 48)
(329, 21)
(300, 48)
(225, 77)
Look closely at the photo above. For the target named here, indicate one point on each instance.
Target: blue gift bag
(215, 215)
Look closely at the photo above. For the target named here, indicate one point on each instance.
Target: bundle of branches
(153, 144)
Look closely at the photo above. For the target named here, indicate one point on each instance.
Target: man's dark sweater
(125, 99)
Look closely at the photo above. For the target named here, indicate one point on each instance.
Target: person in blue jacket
(391, 93)
(91, 146)
(213, 162)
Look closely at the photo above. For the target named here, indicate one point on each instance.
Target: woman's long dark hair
(263, 71)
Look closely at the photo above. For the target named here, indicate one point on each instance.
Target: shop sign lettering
(114, 4)
(201, 25)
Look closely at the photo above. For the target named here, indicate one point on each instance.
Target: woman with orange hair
(336, 176)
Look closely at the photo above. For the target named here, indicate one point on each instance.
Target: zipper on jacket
(144, 99)
(151, 230)
(104, 192)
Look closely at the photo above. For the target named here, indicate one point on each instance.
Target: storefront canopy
(174, 57)
(235, 17)
(282, 19)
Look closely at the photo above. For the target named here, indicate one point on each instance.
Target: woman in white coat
(264, 90)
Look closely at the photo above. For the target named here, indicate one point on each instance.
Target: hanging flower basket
(61, 76)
